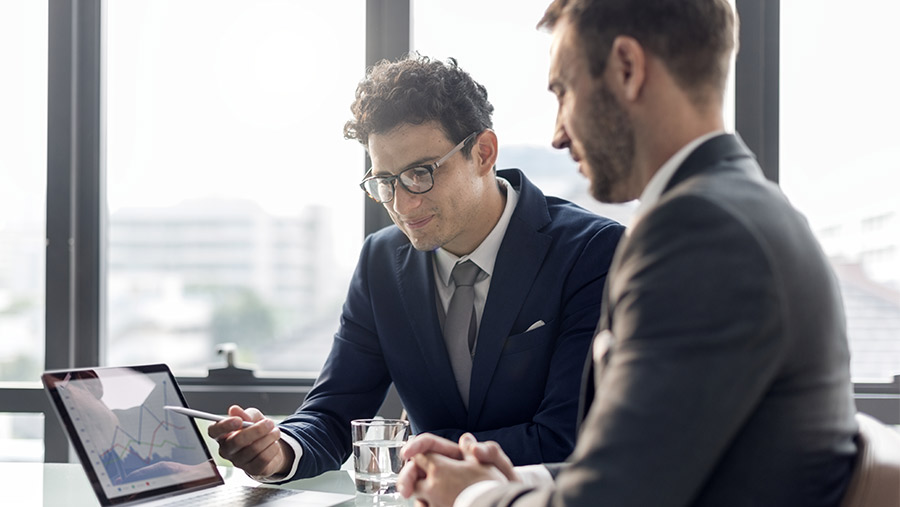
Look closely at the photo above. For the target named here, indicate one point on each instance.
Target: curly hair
(417, 90)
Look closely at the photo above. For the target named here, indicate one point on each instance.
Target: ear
(484, 153)
(627, 67)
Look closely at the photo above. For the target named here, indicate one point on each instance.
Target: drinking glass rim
(380, 422)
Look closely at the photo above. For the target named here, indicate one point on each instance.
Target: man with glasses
(479, 306)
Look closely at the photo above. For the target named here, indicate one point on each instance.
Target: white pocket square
(601, 344)
(535, 326)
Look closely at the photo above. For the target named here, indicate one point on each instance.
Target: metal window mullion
(757, 81)
(74, 199)
(388, 36)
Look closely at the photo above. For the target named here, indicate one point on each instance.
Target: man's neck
(493, 204)
(668, 136)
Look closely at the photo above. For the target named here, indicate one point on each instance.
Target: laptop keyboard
(232, 496)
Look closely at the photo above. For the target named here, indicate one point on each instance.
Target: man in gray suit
(719, 375)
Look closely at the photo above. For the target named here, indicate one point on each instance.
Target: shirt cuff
(298, 453)
(474, 492)
(529, 475)
(534, 475)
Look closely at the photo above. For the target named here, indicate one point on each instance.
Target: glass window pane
(513, 67)
(839, 159)
(234, 210)
(21, 437)
(23, 182)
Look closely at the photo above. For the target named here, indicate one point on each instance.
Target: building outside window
(234, 212)
(23, 163)
(840, 160)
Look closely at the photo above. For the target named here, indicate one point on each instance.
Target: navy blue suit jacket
(551, 266)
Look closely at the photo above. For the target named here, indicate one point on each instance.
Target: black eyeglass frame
(394, 178)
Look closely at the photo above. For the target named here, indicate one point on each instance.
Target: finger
(441, 477)
(407, 478)
(250, 414)
(254, 414)
(467, 439)
(234, 422)
(422, 489)
(429, 443)
(240, 447)
(466, 442)
(422, 461)
(237, 411)
(219, 430)
(267, 462)
(490, 453)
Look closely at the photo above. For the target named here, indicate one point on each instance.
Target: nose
(561, 139)
(404, 201)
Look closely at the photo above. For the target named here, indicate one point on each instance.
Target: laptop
(134, 452)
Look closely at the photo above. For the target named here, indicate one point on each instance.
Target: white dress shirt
(484, 256)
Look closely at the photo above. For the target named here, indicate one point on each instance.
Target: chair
(876, 475)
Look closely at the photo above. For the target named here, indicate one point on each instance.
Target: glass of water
(376, 454)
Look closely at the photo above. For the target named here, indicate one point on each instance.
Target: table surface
(65, 484)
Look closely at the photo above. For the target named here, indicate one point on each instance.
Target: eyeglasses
(416, 180)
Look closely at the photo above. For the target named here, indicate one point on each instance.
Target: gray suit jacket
(721, 371)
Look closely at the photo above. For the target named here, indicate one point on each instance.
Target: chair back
(876, 475)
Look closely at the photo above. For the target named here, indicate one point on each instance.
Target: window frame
(75, 313)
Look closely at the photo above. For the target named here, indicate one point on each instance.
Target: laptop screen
(129, 446)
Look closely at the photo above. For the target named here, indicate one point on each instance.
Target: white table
(66, 485)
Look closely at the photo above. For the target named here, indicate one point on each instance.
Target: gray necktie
(460, 325)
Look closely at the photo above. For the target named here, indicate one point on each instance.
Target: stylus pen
(199, 414)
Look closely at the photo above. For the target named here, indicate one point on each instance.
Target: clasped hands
(438, 470)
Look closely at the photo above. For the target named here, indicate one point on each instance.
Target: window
(839, 160)
(234, 211)
(23, 164)
(504, 51)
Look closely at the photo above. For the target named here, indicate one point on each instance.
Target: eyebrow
(416, 163)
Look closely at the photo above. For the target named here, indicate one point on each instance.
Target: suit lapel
(591, 370)
(518, 262)
(415, 275)
(707, 155)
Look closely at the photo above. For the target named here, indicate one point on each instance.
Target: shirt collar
(485, 255)
(654, 189)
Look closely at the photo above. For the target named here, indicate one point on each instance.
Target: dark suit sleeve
(550, 435)
(352, 384)
(693, 316)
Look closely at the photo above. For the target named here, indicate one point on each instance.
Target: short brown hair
(694, 38)
(417, 90)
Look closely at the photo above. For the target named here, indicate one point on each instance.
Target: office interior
(174, 184)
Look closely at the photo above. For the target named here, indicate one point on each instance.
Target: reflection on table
(56, 484)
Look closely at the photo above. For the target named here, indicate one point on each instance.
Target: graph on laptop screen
(133, 444)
